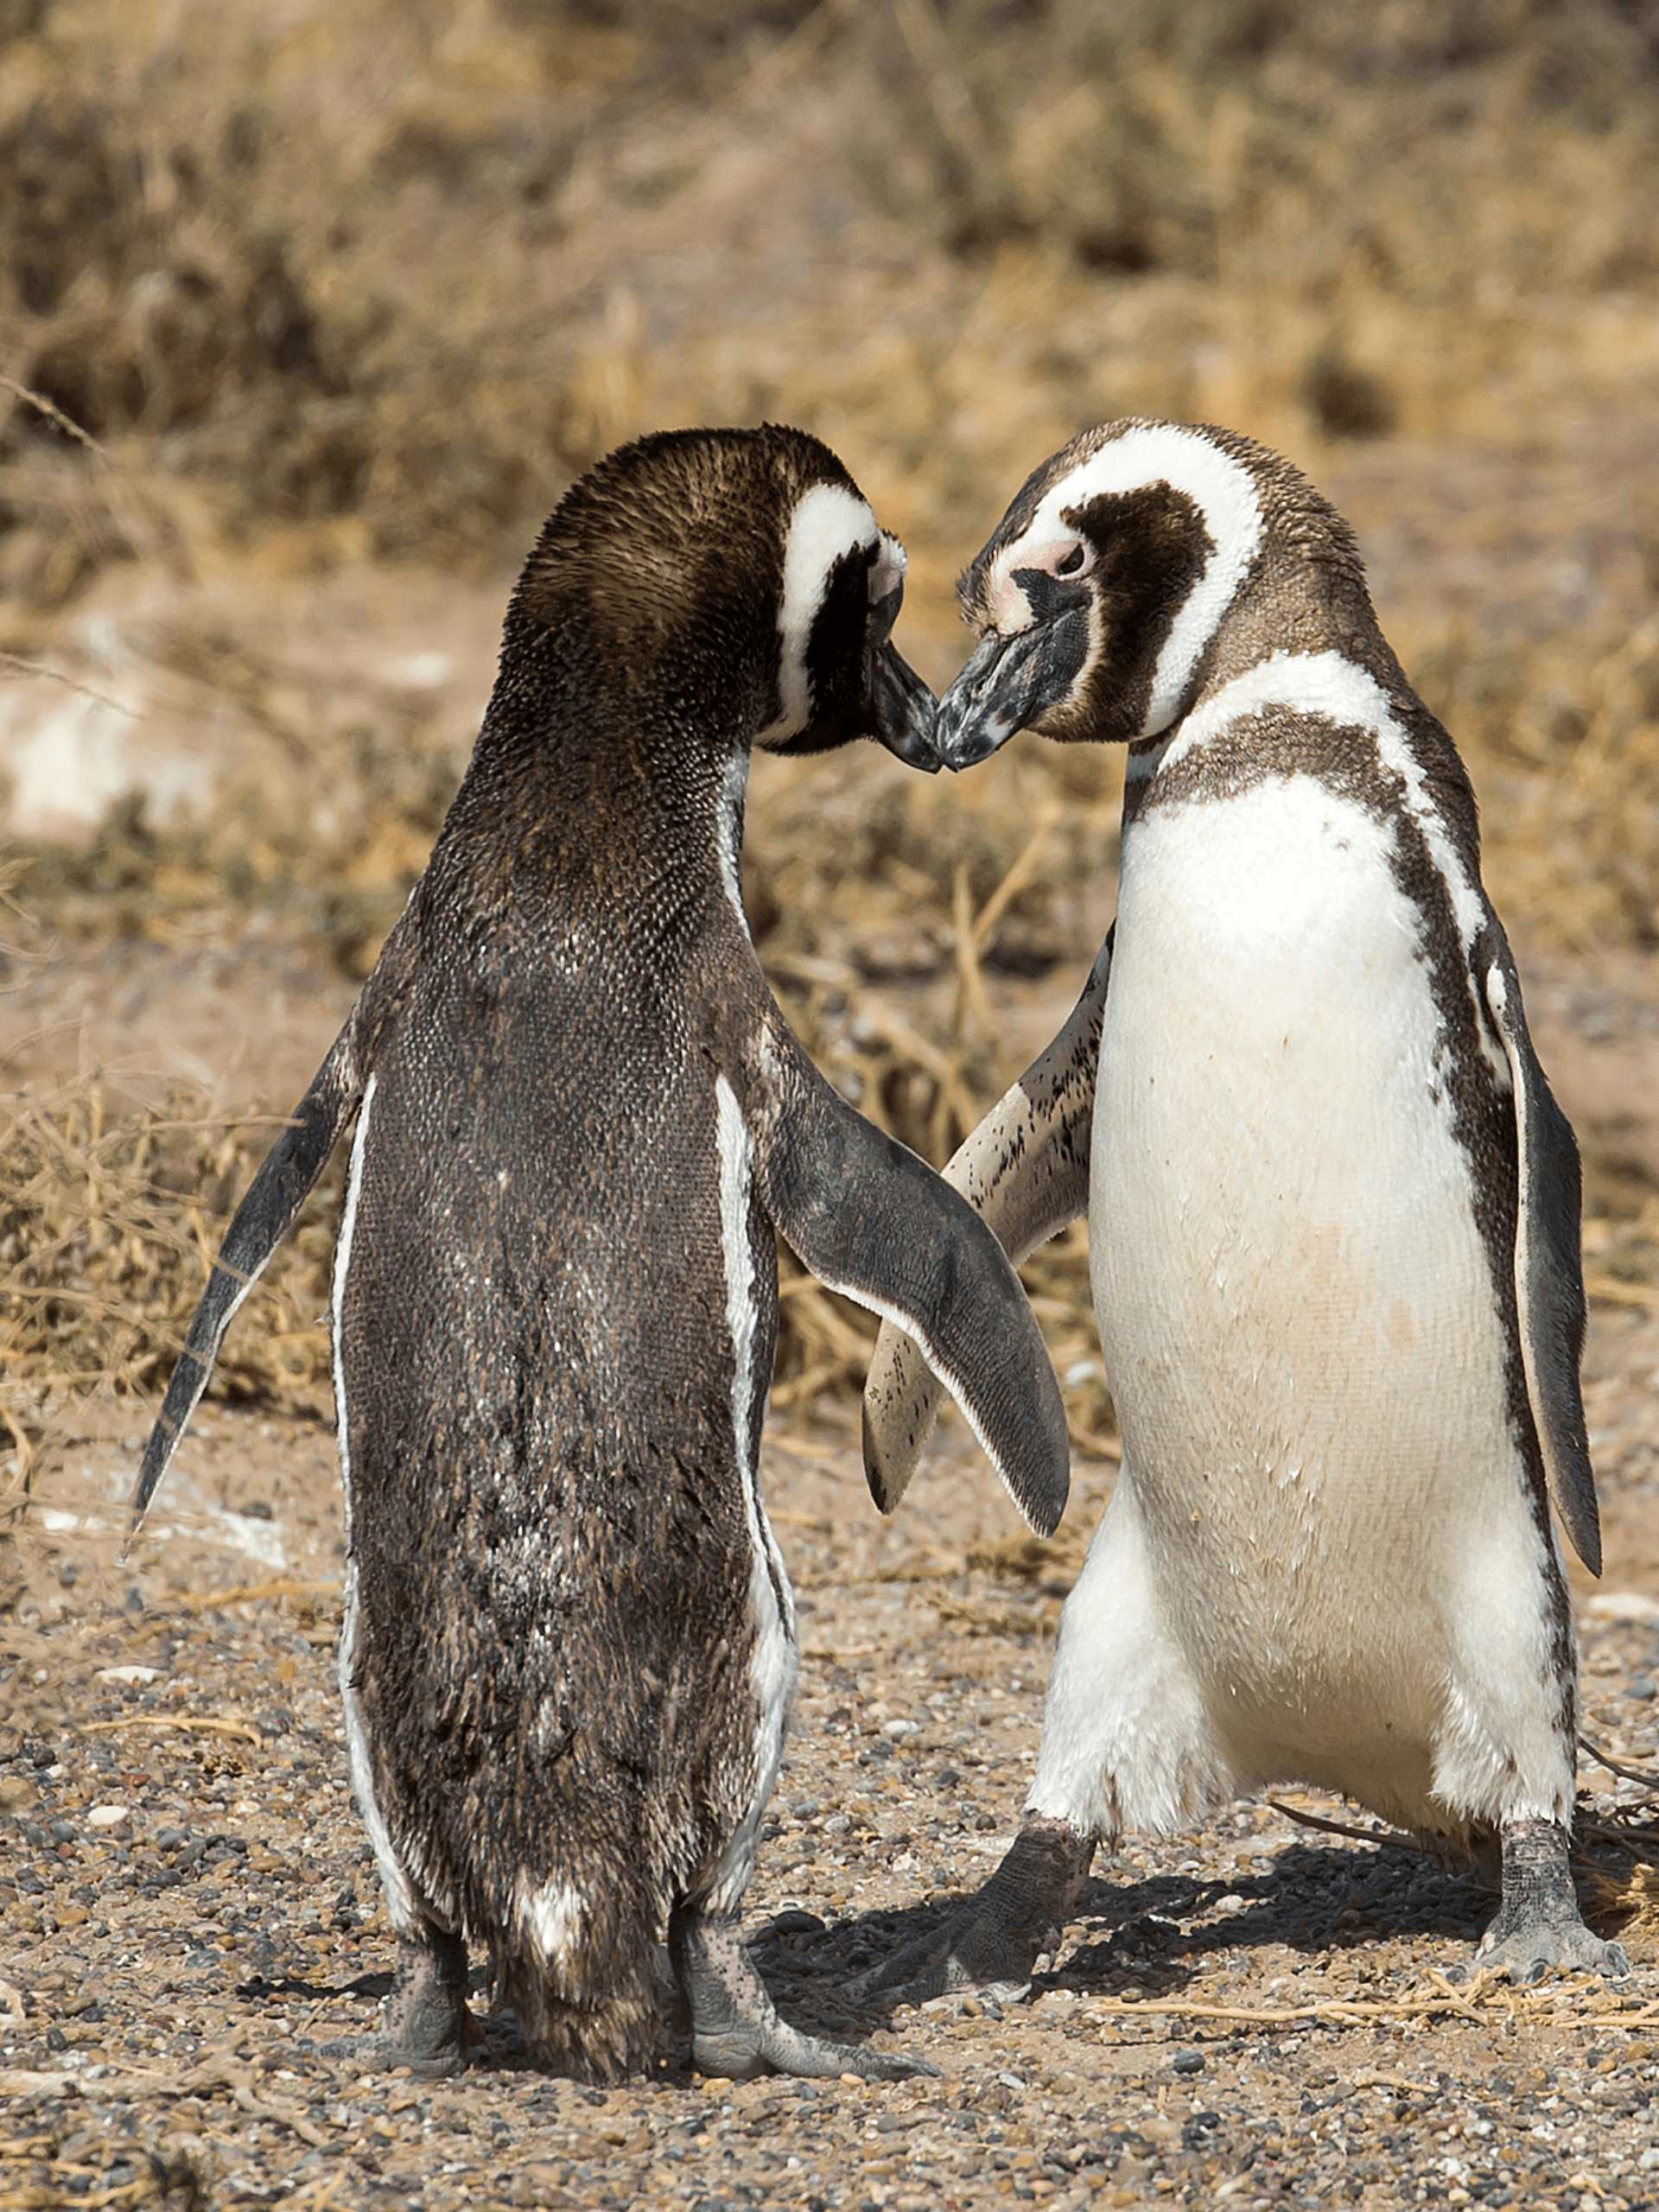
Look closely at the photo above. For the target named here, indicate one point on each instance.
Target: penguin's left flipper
(736, 2031)
(1025, 1171)
(1548, 1263)
(266, 1213)
(874, 1222)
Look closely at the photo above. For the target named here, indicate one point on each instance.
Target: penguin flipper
(874, 1222)
(275, 1196)
(1025, 1171)
(1548, 1265)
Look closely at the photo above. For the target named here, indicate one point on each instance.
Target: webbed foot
(991, 1944)
(1538, 1924)
(426, 2025)
(735, 2029)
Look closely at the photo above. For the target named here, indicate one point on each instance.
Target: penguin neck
(599, 810)
(1305, 598)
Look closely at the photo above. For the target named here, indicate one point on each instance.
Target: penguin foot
(1538, 1924)
(426, 2025)
(990, 1945)
(735, 2029)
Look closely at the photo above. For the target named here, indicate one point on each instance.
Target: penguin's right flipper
(275, 1196)
(1025, 1169)
(1548, 1263)
(874, 1222)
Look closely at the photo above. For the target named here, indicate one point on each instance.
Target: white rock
(1621, 1606)
(108, 1816)
(134, 1675)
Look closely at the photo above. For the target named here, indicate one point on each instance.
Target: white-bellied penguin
(1334, 1213)
(568, 1650)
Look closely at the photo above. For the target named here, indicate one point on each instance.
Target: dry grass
(107, 1225)
(377, 280)
(108, 1221)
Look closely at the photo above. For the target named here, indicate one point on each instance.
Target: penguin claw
(1538, 1925)
(989, 1946)
(736, 2031)
(380, 2053)
(1529, 1953)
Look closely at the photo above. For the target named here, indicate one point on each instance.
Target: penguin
(1333, 1214)
(568, 1648)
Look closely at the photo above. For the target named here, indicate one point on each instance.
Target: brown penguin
(568, 1650)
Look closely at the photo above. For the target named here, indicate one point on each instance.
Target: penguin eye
(1076, 561)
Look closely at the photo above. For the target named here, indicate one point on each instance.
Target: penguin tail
(602, 2035)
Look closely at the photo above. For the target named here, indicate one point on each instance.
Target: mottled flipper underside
(1548, 1265)
(263, 1219)
(1025, 1171)
(874, 1222)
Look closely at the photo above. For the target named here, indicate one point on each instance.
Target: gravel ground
(1254, 2014)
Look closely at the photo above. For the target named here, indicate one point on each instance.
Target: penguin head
(1098, 594)
(739, 579)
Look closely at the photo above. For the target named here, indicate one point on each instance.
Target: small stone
(108, 1816)
(136, 1676)
(1184, 2062)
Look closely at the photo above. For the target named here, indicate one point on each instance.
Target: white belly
(1295, 1306)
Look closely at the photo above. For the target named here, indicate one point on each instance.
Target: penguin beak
(1008, 683)
(902, 710)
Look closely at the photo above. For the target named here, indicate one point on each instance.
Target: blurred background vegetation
(349, 290)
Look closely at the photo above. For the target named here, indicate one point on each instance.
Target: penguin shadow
(1161, 1934)
(1157, 1935)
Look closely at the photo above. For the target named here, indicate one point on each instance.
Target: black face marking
(1151, 547)
(1086, 668)
(858, 683)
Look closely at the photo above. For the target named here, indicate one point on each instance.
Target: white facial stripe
(772, 1668)
(729, 831)
(1224, 493)
(401, 1908)
(1329, 684)
(828, 521)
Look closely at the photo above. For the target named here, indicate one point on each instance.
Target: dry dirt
(1253, 2013)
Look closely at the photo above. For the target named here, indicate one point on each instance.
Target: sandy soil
(1252, 2013)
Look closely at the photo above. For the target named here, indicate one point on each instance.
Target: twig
(1625, 1773)
(1397, 1836)
(193, 1721)
(54, 413)
(1019, 874)
(1352, 2010)
(281, 1586)
(26, 667)
(971, 1002)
